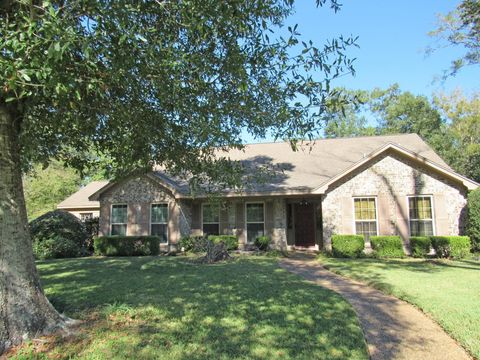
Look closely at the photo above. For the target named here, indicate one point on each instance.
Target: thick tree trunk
(25, 312)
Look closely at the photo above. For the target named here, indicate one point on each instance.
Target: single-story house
(379, 185)
(80, 205)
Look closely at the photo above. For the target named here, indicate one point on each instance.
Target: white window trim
(253, 222)
(203, 222)
(374, 197)
(159, 223)
(111, 218)
(434, 225)
(83, 215)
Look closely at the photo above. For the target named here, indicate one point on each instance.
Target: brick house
(385, 185)
(80, 205)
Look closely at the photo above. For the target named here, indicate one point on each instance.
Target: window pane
(254, 212)
(420, 208)
(211, 213)
(366, 228)
(119, 214)
(160, 230)
(159, 213)
(421, 228)
(365, 209)
(211, 229)
(119, 229)
(254, 231)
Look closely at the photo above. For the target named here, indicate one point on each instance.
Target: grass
(169, 308)
(449, 291)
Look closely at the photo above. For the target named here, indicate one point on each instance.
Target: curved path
(393, 328)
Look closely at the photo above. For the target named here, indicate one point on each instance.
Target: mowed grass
(449, 291)
(170, 308)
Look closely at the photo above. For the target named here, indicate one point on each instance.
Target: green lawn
(170, 308)
(447, 290)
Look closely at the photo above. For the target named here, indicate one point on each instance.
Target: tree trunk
(25, 312)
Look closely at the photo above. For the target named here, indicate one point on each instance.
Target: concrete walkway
(393, 328)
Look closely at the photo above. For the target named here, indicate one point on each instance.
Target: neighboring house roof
(317, 163)
(80, 199)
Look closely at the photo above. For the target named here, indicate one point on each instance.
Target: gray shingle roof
(80, 198)
(315, 162)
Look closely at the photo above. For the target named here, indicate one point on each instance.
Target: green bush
(387, 246)
(188, 242)
(456, 247)
(263, 242)
(420, 246)
(127, 245)
(473, 225)
(230, 241)
(350, 246)
(58, 234)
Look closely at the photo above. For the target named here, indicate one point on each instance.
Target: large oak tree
(142, 82)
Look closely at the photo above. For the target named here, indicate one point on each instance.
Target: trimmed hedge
(349, 246)
(387, 246)
(230, 241)
(263, 242)
(127, 245)
(455, 247)
(420, 246)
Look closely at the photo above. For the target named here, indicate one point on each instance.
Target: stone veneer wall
(139, 193)
(391, 179)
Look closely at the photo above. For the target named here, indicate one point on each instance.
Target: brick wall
(391, 178)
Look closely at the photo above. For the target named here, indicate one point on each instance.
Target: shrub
(263, 242)
(127, 245)
(387, 246)
(193, 243)
(350, 246)
(455, 247)
(58, 234)
(473, 225)
(420, 246)
(230, 241)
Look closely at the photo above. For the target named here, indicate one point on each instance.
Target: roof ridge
(335, 138)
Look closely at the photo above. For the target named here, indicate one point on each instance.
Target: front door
(304, 224)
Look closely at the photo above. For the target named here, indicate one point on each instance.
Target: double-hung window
(420, 215)
(365, 216)
(159, 221)
(119, 220)
(211, 219)
(255, 219)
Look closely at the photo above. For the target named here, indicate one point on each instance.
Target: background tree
(46, 188)
(142, 83)
(460, 27)
(463, 116)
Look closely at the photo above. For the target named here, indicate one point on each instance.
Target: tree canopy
(160, 82)
(460, 27)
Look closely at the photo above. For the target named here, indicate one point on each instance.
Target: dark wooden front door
(304, 225)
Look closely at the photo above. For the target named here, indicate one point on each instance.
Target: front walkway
(393, 328)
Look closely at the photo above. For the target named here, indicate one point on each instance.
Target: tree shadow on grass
(155, 307)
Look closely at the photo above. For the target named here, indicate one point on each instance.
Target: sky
(393, 37)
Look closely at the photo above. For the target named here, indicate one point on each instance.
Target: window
(211, 219)
(86, 216)
(421, 215)
(365, 216)
(255, 221)
(119, 220)
(159, 222)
